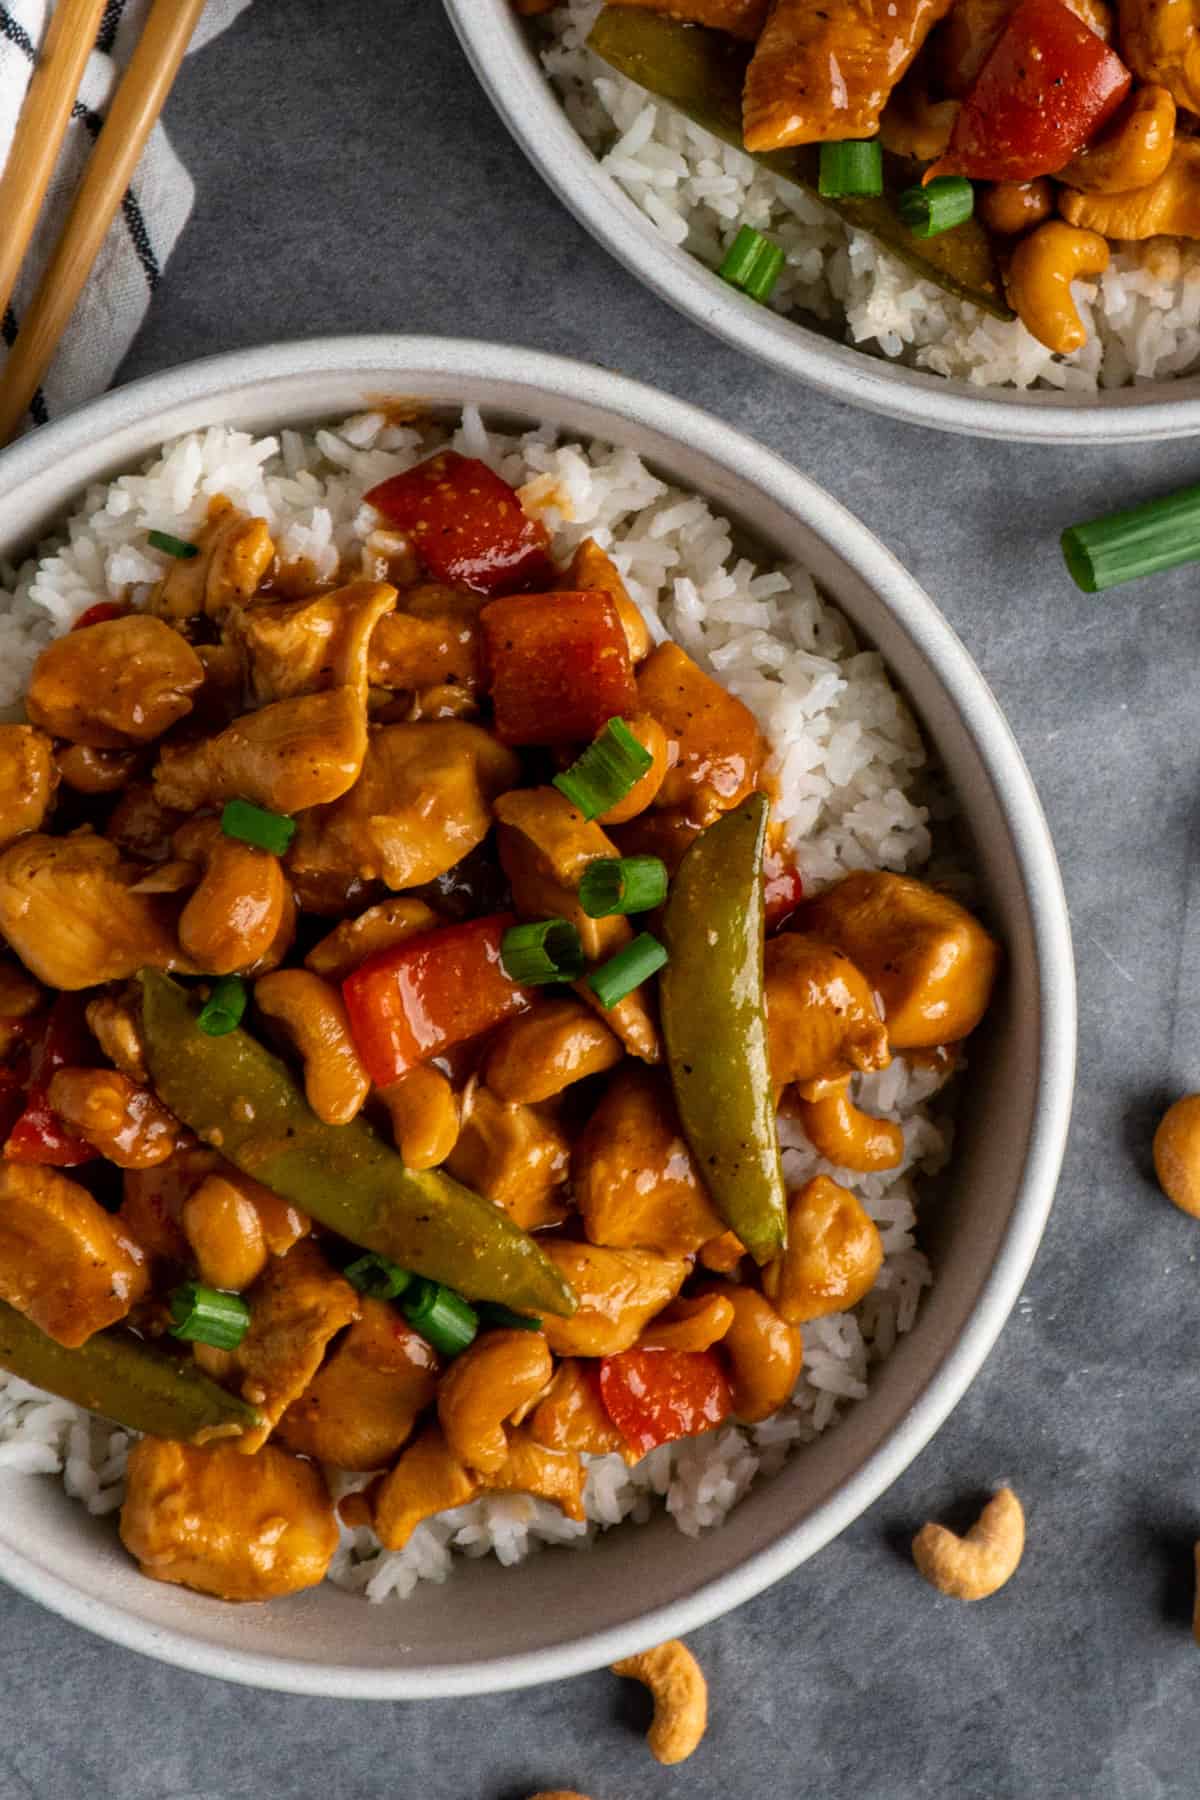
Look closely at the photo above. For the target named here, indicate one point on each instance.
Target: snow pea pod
(715, 1025)
(701, 73)
(243, 1101)
(124, 1379)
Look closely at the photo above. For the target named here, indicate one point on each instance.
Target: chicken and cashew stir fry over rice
(404, 969)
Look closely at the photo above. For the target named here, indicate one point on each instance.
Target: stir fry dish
(998, 148)
(403, 973)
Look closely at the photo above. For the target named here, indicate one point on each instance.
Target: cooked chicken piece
(431, 640)
(64, 1262)
(28, 778)
(428, 1479)
(825, 73)
(834, 1253)
(822, 1022)
(721, 749)
(124, 681)
(631, 1019)
(68, 909)
(378, 928)
(1170, 206)
(572, 1416)
(545, 845)
(295, 1309)
(152, 1201)
(555, 1475)
(534, 1057)
(361, 1409)
(740, 18)
(617, 1291)
(121, 1120)
(422, 802)
(237, 1527)
(1160, 41)
(235, 552)
(634, 1178)
(593, 569)
(301, 646)
(141, 825)
(932, 963)
(514, 1155)
(287, 756)
(90, 771)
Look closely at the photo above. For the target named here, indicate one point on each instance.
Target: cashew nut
(311, 1012)
(695, 1324)
(425, 1116)
(593, 568)
(1009, 207)
(534, 1057)
(765, 1354)
(662, 752)
(1043, 267)
(680, 1692)
(849, 1138)
(242, 906)
(225, 1233)
(914, 125)
(487, 1385)
(1133, 152)
(974, 1566)
(834, 1252)
(91, 771)
(1177, 1154)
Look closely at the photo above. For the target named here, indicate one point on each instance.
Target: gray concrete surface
(351, 176)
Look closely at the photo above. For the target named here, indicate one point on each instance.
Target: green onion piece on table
(627, 970)
(205, 1315)
(255, 825)
(939, 206)
(223, 1010)
(622, 884)
(502, 1318)
(542, 951)
(441, 1316)
(853, 167)
(752, 263)
(378, 1277)
(172, 546)
(612, 764)
(1161, 534)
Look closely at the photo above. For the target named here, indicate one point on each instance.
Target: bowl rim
(508, 70)
(541, 380)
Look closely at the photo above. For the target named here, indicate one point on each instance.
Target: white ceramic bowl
(564, 1612)
(499, 48)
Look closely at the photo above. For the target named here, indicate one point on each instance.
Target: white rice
(1142, 315)
(851, 774)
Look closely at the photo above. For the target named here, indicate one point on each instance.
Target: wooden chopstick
(135, 106)
(40, 129)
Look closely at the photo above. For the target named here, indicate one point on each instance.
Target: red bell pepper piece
(558, 667)
(467, 525)
(783, 889)
(1045, 90)
(429, 993)
(656, 1396)
(39, 1136)
(100, 614)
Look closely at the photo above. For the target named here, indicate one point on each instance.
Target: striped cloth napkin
(145, 231)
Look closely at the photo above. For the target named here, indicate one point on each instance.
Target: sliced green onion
(378, 1277)
(753, 263)
(939, 206)
(1160, 534)
(622, 884)
(441, 1316)
(205, 1315)
(627, 969)
(849, 168)
(255, 825)
(223, 1009)
(493, 1316)
(162, 540)
(542, 951)
(606, 771)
